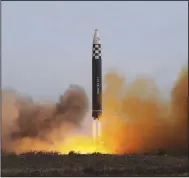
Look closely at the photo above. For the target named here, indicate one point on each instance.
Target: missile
(96, 77)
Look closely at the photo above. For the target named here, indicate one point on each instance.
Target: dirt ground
(45, 164)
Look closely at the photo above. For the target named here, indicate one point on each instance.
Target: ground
(46, 164)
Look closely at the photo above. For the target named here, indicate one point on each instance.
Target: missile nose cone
(96, 39)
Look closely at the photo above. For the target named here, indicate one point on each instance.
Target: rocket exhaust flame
(96, 129)
(97, 134)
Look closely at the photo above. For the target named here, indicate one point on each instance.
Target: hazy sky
(47, 45)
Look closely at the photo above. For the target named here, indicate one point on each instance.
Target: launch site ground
(49, 164)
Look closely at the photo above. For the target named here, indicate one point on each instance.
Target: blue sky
(47, 45)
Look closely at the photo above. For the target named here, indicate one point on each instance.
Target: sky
(46, 46)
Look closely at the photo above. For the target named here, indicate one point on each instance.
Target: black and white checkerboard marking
(97, 51)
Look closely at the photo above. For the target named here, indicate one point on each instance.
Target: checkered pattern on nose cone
(97, 51)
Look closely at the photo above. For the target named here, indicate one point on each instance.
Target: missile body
(96, 77)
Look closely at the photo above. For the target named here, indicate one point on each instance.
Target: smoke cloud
(27, 124)
(136, 119)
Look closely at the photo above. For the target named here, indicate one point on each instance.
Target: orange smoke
(135, 119)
